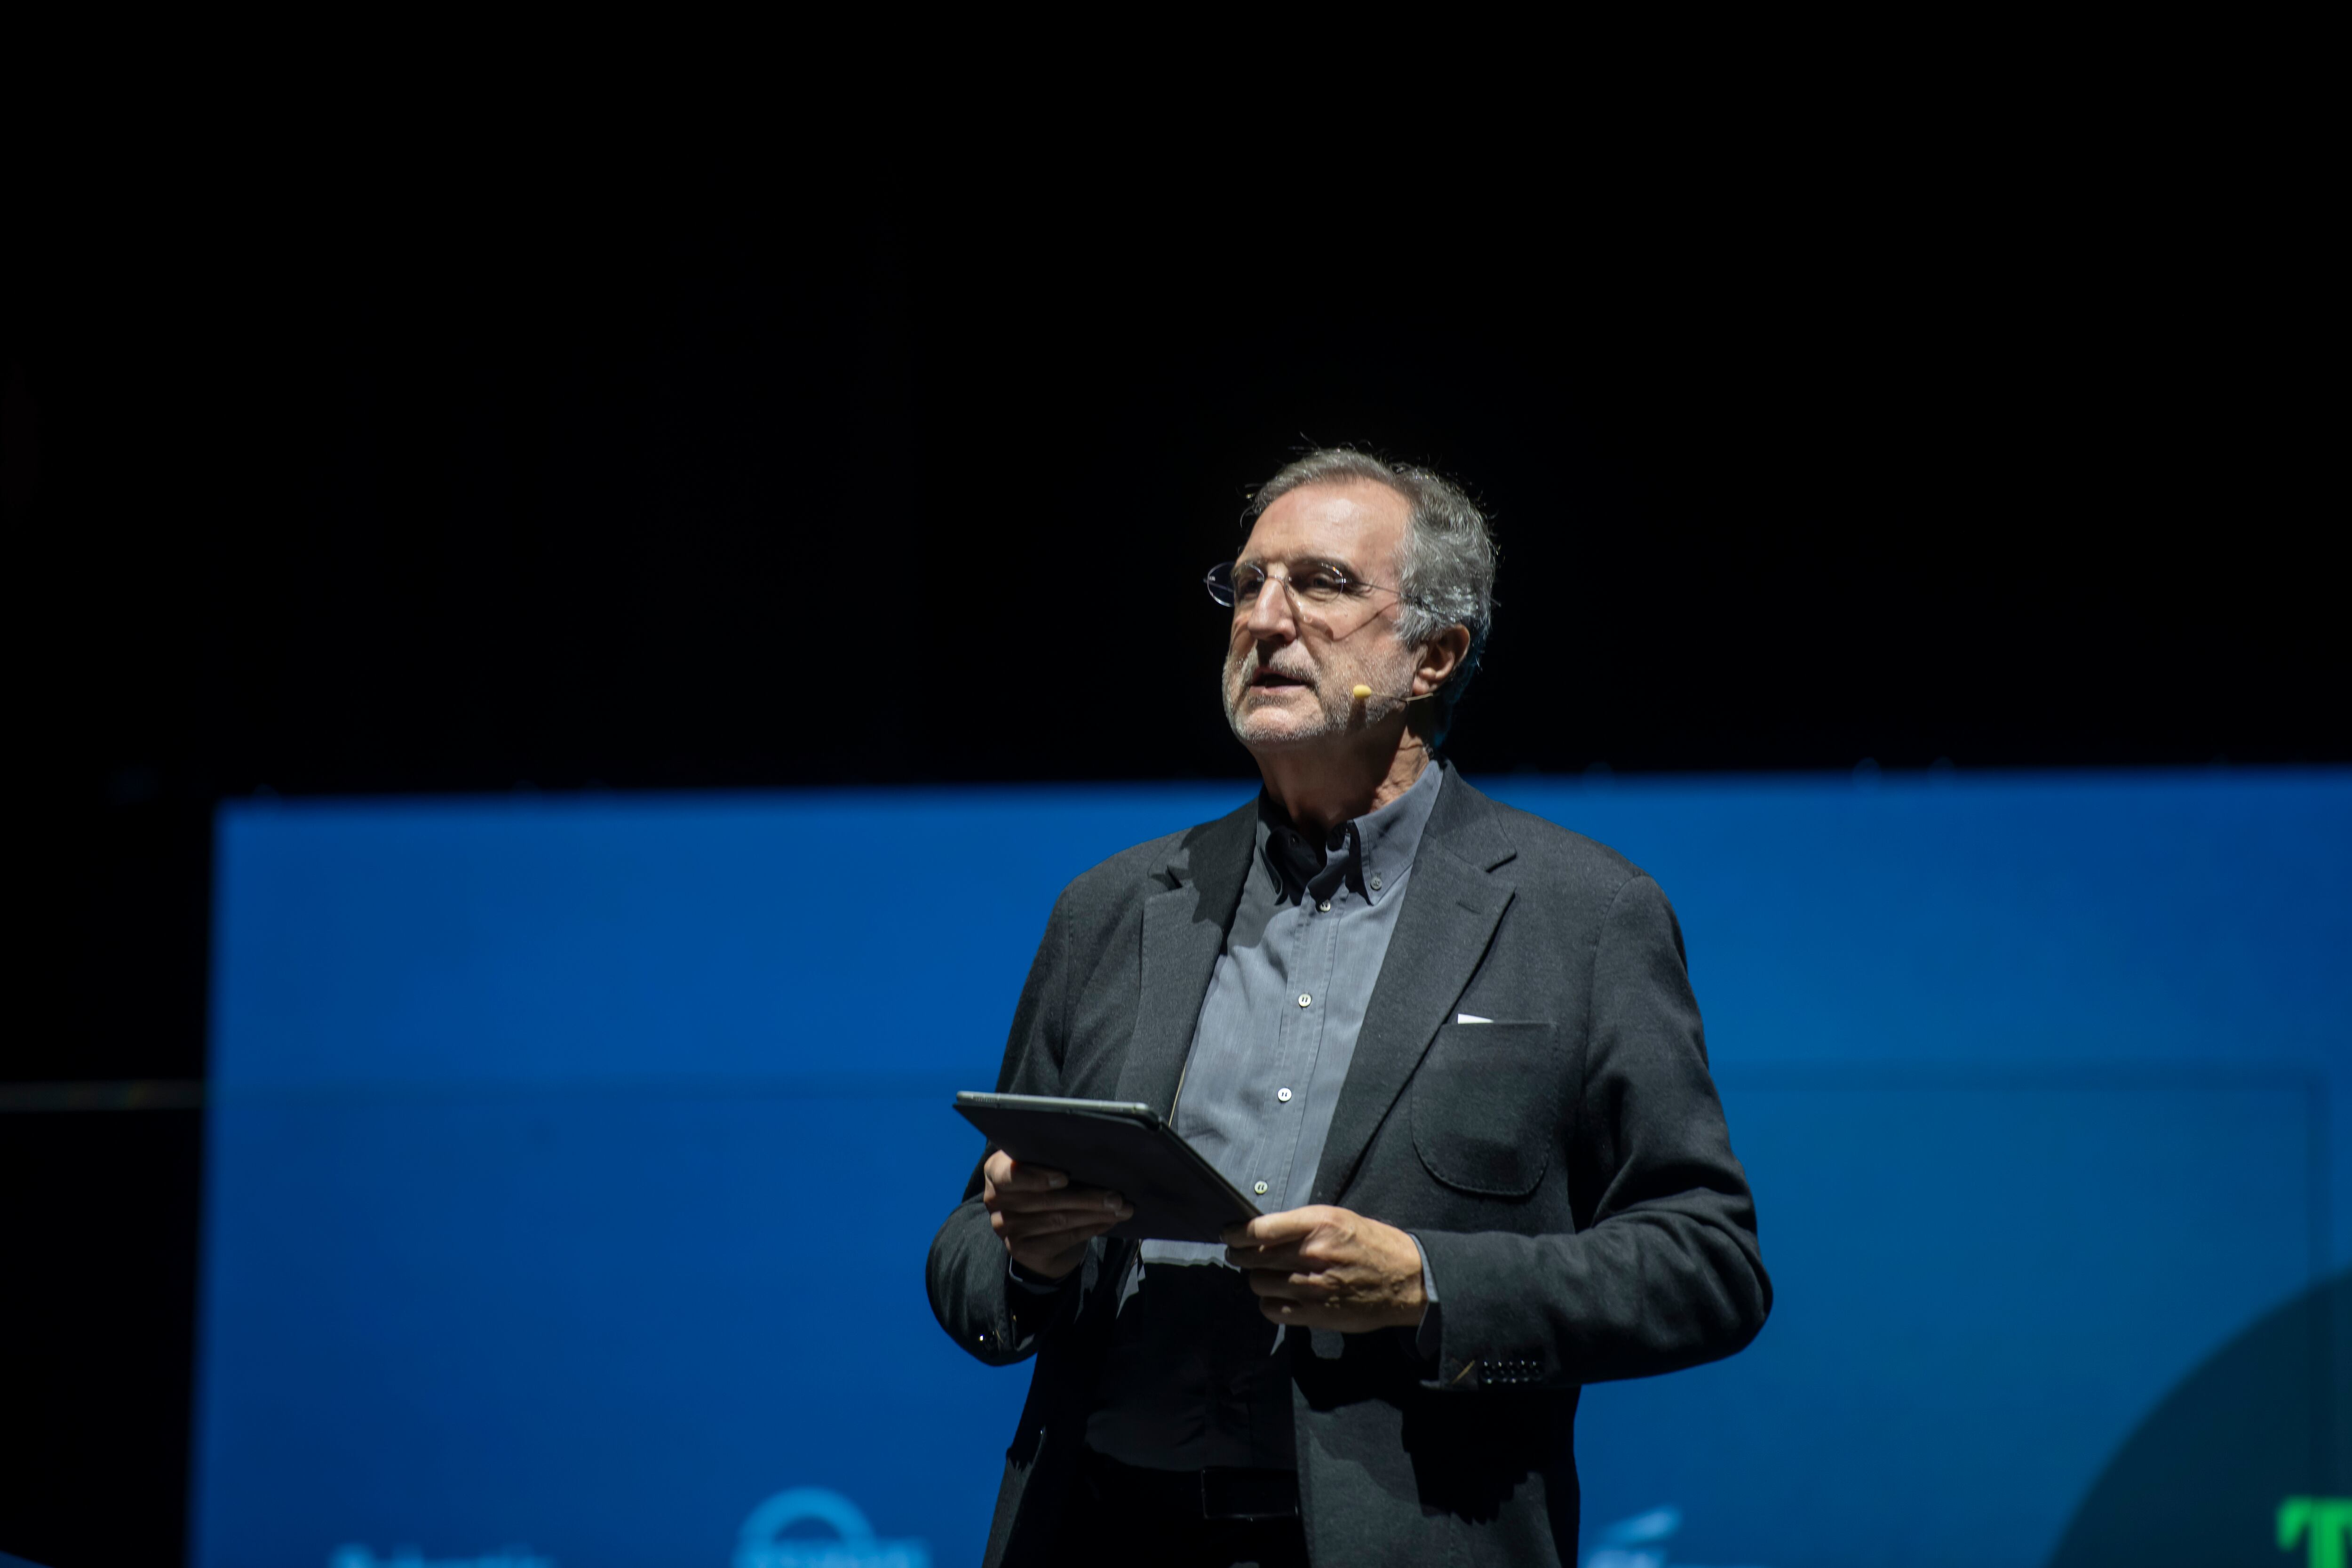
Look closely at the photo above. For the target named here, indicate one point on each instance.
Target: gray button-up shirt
(1191, 1378)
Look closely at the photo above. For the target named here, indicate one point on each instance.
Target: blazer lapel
(1184, 930)
(1452, 906)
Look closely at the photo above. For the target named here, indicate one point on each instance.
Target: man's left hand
(1325, 1268)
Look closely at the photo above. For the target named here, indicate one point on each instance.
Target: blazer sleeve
(1663, 1271)
(972, 1289)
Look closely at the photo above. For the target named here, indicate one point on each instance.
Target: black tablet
(1129, 1149)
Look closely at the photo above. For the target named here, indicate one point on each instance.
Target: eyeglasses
(1313, 584)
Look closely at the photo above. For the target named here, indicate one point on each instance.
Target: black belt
(1216, 1492)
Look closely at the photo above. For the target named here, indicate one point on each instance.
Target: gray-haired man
(1451, 1047)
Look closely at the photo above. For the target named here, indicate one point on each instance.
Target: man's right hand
(1045, 1223)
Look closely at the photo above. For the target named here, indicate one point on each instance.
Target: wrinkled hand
(1325, 1268)
(1044, 1222)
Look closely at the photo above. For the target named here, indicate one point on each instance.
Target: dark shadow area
(99, 1267)
(2201, 1481)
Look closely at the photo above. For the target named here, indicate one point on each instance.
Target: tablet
(1128, 1148)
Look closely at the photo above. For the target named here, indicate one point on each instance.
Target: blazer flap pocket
(1486, 1106)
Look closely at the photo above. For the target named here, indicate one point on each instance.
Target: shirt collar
(1379, 846)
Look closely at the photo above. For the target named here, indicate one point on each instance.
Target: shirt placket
(1315, 955)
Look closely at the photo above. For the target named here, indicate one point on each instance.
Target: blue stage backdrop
(572, 1163)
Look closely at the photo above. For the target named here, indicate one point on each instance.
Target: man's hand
(1324, 1267)
(1045, 1223)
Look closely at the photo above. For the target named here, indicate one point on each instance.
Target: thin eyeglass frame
(1297, 601)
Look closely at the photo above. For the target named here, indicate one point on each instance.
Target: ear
(1440, 658)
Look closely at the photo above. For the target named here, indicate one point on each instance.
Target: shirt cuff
(1038, 1285)
(1426, 1339)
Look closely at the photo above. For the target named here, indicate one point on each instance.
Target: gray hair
(1447, 566)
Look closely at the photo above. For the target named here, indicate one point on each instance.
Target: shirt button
(1304, 1000)
(1325, 906)
(1260, 1189)
(1283, 1095)
(1376, 884)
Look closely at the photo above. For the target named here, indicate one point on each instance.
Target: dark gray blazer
(1565, 1167)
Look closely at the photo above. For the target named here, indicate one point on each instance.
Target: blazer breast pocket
(1486, 1106)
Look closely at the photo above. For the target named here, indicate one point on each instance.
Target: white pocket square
(1470, 1018)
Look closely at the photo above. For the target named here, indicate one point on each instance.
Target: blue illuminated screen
(573, 1161)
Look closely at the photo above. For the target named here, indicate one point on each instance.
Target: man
(1451, 1049)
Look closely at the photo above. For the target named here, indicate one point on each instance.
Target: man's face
(1293, 663)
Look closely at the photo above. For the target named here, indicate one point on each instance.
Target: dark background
(1969, 445)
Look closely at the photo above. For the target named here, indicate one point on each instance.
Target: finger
(1027, 1227)
(1285, 1258)
(1019, 1177)
(1047, 1251)
(1309, 1252)
(1069, 1200)
(1320, 1244)
(1275, 1228)
(1021, 1226)
(1267, 1284)
(1031, 1222)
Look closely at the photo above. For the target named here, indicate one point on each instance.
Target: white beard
(1334, 695)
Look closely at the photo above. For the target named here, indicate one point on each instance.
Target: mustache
(1244, 674)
